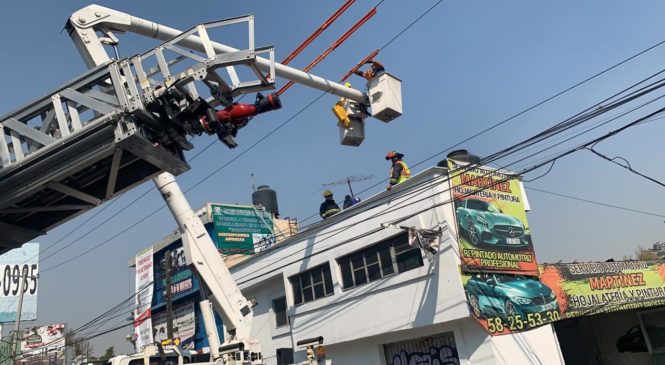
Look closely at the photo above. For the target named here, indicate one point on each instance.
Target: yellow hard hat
(327, 193)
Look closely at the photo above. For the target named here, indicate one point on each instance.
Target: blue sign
(183, 281)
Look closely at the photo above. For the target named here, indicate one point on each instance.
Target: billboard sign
(494, 234)
(183, 281)
(241, 230)
(505, 303)
(144, 288)
(14, 264)
(43, 345)
(184, 324)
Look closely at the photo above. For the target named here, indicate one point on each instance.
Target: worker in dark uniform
(350, 201)
(373, 71)
(399, 171)
(328, 207)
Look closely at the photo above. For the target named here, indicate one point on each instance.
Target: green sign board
(6, 350)
(241, 229)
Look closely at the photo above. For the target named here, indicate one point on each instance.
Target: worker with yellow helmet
(328, 207)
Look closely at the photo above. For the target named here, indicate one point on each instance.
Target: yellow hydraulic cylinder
(341, 114)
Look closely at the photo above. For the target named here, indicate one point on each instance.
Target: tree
(109, 353)
(644, 254)
(80, 345)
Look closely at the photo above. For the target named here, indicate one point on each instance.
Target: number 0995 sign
(16, 265)
(11, 279)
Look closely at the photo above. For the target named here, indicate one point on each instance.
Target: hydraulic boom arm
(84, 24)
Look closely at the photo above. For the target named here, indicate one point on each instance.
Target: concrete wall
(264, 326)
(474, 346)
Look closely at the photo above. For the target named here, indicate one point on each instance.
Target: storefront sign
(184, 325)
(43, 345)
(183, 281)
(602, 287)
(494, 235)
(241, 230)
(505, 303)
(144, 289)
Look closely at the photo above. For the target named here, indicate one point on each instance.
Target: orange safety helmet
(391, 154)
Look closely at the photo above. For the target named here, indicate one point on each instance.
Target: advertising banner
(505, 303)
(13, 265)
(183, 281)
(494, 235)
(184, 324)
(602, 287)
(144, 288)
(43, 345)
(241, 230)
(6, 350)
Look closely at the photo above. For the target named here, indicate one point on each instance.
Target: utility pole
(169, 295)
(17, 326)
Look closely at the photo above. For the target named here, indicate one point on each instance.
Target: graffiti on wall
(435, 350)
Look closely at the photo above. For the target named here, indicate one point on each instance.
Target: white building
(397, 307)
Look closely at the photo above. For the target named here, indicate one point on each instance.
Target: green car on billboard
(483, 223)
(509, 296)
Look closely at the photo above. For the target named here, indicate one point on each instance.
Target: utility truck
(130, 119)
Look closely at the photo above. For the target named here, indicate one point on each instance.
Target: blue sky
(465, 66)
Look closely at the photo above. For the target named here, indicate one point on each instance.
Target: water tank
(463, 156)
(266, 197)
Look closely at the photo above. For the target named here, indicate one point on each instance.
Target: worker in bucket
(399, 171)
(373, 71)
(328, 207)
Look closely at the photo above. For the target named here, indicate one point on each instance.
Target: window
(312, 284)
(393, 255)
(284, 356)
(279, 307)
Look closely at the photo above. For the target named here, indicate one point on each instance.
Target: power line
(397, 207)
(233, 159)
(539, 137)
(596, 202)
(626, 166)
(307, 106)
(595, 126)
(98, 321)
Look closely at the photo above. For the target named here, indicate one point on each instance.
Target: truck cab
(159, 355)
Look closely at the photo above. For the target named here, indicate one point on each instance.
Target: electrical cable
(596, 202)
(393, 208)
(615, 117)
(118, 307)
(627, 166)
(484, 131)
(236, 157)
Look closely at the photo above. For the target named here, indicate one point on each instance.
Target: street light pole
(17, 326)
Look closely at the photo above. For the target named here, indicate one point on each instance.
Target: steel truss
(113, 128)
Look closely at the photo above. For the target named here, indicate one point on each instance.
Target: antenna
(348, 180)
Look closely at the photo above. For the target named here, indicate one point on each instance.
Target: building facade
(376, 296)
(375, 299)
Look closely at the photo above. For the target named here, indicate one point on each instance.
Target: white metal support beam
(62, 188)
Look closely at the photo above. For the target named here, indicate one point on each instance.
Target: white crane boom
(86, 21)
